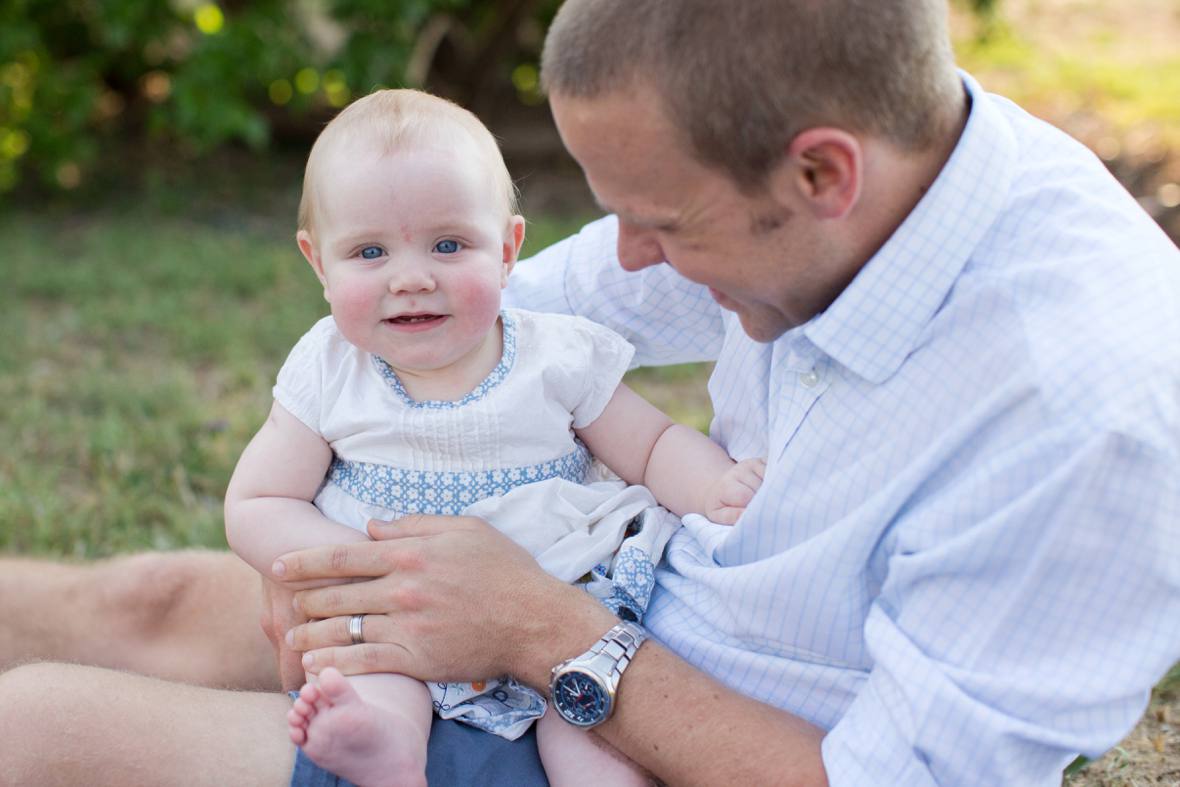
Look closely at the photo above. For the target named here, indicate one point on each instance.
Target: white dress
(505, 452)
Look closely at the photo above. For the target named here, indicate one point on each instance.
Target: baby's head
(408, 218)
(390, 121)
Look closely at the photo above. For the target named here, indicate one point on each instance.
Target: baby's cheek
(357, 292)
(479, 297)
(351, 307)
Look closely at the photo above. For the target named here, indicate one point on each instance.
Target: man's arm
(1027, 610)
(430, 572)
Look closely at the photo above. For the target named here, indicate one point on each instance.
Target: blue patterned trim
(497, 375)
(430, 492)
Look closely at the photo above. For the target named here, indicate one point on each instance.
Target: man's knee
(140, 595)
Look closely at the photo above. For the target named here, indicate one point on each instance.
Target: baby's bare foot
(366, 744)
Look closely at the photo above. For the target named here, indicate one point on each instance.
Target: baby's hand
(729, 495)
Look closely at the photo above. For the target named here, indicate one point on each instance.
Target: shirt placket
(799, 377)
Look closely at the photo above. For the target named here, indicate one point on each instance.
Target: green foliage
(984, 7)
(75, 74)
(1101, 79)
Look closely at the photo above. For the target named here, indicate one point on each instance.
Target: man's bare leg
(69, 725)
(187, 616)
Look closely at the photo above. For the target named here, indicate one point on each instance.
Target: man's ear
(308, 247)
(513, 238)
(824, 166)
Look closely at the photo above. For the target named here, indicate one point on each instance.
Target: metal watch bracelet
(619, 645)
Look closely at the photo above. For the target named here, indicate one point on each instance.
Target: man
(953, 336)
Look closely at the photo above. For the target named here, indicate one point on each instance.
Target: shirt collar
(875, 323)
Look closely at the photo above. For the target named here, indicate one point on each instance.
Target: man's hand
(728, 497)
(447, 598)
(278, 617)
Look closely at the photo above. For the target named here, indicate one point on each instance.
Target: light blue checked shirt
(965, 559)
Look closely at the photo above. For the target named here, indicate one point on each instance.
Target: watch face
(580, 699)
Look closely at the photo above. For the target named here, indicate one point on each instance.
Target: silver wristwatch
(583, 688)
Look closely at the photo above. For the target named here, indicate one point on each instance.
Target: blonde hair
(742, 78)
(392, 120)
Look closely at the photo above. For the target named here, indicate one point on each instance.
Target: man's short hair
(741, 78)
(393, 120)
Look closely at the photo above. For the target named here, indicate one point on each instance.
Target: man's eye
(446, 246)
(372, 252)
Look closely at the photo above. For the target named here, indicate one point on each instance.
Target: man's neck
(897, 180)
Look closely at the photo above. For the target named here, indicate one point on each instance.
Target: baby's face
(413, 249)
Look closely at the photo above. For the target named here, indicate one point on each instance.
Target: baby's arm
(268, 508)
(686, 471)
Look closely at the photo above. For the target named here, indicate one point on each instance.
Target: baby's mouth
(415, 319)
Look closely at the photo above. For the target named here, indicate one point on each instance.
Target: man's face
(761, 255)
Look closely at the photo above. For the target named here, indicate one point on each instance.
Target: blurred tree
(986, 14)
(76, 73)
(984, 7)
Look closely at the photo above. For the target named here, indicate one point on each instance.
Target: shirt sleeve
(1071, 549)
(667, 318)
(607, 357)
(299, 385)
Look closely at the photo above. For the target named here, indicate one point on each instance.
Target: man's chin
(759, 330)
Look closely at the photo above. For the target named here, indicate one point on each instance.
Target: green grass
(137, 361)
(139, 352)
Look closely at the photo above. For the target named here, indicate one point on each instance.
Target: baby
(421, 395)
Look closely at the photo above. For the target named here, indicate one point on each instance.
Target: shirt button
(809, 378)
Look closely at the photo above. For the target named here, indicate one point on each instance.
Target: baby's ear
(513, 238)
(311, 254)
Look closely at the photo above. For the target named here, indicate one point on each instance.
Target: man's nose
(638, 247)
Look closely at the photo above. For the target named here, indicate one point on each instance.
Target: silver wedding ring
(356, 629)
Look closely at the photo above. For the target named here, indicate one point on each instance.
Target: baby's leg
(574, 757)
(370, 729)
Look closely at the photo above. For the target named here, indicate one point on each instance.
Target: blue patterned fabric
(631, 583)
(423, 492)
(497, 375)
(964, 561)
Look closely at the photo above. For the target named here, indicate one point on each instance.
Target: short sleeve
(299, 385)
(607, 356)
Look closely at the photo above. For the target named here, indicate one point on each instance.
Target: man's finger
(412, 526)
(361, 559)
(290, 669)
(359, 659)
(334, 632)
(320, 634)
(328, 602)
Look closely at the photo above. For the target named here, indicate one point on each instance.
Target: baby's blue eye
(446, 246)
(372, 252)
